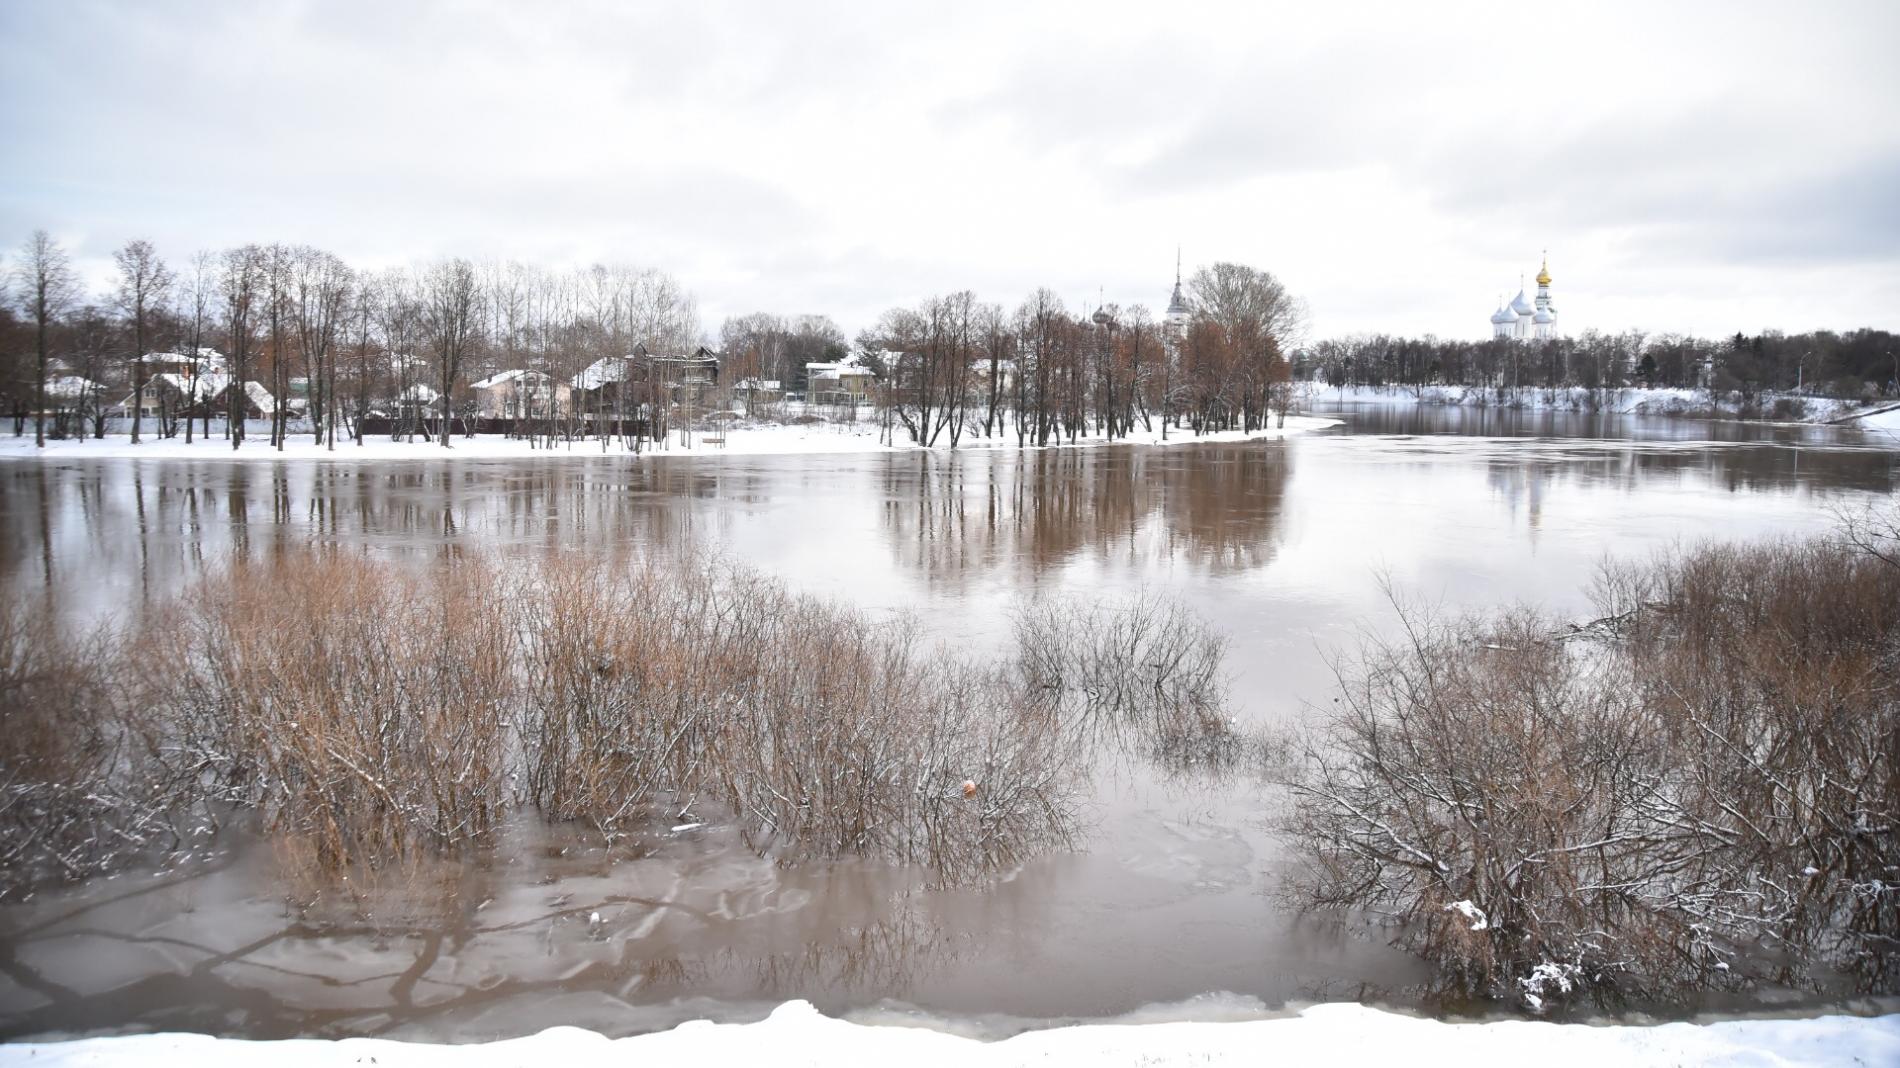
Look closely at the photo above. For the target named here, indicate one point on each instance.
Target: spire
(1177, 307)
(1543, 273)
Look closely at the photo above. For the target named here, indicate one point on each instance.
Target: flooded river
(1283, 546)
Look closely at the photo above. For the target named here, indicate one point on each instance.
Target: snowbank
(815, 438)
(1885, 422)
(796, 1034)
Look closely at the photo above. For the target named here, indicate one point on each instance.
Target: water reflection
(960, 519)
(89, 535)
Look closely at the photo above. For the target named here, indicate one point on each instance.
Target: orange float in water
(969, 788)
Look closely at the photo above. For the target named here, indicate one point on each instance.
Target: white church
(1528, 320)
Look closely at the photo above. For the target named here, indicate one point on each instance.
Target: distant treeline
(1861, 363)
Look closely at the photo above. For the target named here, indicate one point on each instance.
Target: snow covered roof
(211, 386)
(757, 383)
(210, 383)
(209, 359)
(502, 377)
(419, 393)
(260, 397)
(702, 355)
(601, 372)
(850, 365)
(71, 387)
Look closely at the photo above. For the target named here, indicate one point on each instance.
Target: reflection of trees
(958, 518)
(1525, 476)
(105, 534)
(1226, 503)
(889, 955)
(388, 958)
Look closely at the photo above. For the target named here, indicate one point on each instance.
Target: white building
(1528, 320)
(847, 381)
(519, 392)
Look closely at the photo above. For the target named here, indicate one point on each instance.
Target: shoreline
(797, 1033)
(772, 440)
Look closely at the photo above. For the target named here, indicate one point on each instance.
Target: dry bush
(1708, 799)
(610, 715)
(1776, 671)
(366, 712)
(65, 761)
(358, 707)
(1482, 786)
(820, 732)
(866, 748)
(1144, 668)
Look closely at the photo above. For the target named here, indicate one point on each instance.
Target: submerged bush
(1709, 798)
(820, 732)
(1144, 669)
(357, 707)
(74, 790)
(364, 712)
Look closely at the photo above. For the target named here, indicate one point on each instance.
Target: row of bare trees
(1861, 364)
(778, 347)
(953, 366)
(329, 343)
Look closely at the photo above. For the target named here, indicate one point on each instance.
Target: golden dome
(1543, 273)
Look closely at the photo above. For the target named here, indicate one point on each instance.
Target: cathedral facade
(1528, 320)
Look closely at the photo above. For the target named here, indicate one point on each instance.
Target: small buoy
(969, 787)
(593, 919)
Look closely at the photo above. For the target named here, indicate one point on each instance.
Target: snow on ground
(796, 1034)
(1885, 422)
(762, 440)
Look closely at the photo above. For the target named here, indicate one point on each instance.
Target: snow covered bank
(1885, 422)
(796, 1034)
(770, 440)
(1659, 401)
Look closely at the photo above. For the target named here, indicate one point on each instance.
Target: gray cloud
(841, 157)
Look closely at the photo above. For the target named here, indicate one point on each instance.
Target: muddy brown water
(1166, 909)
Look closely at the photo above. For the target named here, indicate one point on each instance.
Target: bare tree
(999, 347)
(239, 283)
(1253, 317)
(451, 312)
(91, 342)
(277, 272)
(48, 286)
(144, 282)
(201, 288)
(320, 293)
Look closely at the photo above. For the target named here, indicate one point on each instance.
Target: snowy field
(814, 438)
(796, 1034)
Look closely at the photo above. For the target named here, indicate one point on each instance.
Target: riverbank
(1691, 403)
(759, 440)
(797, 1034)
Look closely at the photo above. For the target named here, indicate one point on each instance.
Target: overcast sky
(1705, 167)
